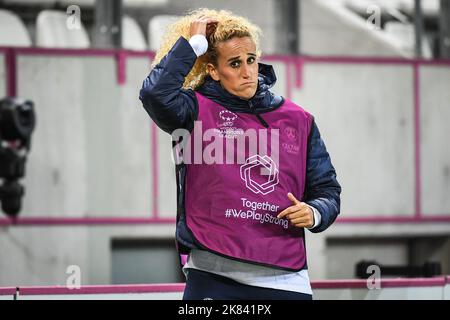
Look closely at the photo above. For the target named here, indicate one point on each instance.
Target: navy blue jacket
(172, 107)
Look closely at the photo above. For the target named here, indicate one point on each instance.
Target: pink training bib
(238, 174)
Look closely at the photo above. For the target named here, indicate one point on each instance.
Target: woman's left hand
(299, 214)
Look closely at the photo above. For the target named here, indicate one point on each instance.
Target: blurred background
(98, 190)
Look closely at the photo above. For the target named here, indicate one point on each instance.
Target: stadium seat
(12, 30)
(132, 35)
(156, 27)
(52, 30)
(404, 35)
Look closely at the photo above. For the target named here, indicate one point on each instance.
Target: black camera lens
(12, 166)
(11, 193)
(17, 119)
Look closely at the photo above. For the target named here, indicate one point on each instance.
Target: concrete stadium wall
(109, 176)
(434, 115)
(99, 170)
(91, 161)
(368, 129)
(82, 158)
(41, 255)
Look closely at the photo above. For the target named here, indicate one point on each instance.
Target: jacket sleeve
(322, 190)
(162, 95)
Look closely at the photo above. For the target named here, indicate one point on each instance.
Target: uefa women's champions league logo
(261, 167)
(227, 128)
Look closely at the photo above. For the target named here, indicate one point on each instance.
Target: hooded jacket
(172, 107)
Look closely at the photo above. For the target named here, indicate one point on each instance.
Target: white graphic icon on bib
(256, 181)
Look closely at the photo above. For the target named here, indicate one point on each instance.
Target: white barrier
(390, 289)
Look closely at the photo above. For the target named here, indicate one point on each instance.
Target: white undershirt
(247, 273)
(199, 44)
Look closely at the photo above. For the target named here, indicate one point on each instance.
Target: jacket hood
(263, 100)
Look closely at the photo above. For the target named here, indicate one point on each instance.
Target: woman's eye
(235, 64)
(251, 60)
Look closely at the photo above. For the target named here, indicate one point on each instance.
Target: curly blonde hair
(229, 26)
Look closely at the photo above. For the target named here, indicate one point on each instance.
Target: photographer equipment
(17, 122)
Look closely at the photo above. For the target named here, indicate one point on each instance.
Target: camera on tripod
(17, 122)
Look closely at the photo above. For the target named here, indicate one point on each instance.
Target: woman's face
(237, 67)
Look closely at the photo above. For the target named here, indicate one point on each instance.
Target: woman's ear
(212, 71)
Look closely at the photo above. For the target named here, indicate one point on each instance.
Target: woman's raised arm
(162, 96)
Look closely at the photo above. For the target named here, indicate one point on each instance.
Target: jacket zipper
(260, 118)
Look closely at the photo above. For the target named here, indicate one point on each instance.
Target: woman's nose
(245, 71)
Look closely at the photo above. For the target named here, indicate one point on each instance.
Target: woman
(243, 227)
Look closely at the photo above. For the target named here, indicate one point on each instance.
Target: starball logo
(228, 117)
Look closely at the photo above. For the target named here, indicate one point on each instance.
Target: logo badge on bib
(260, 174)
